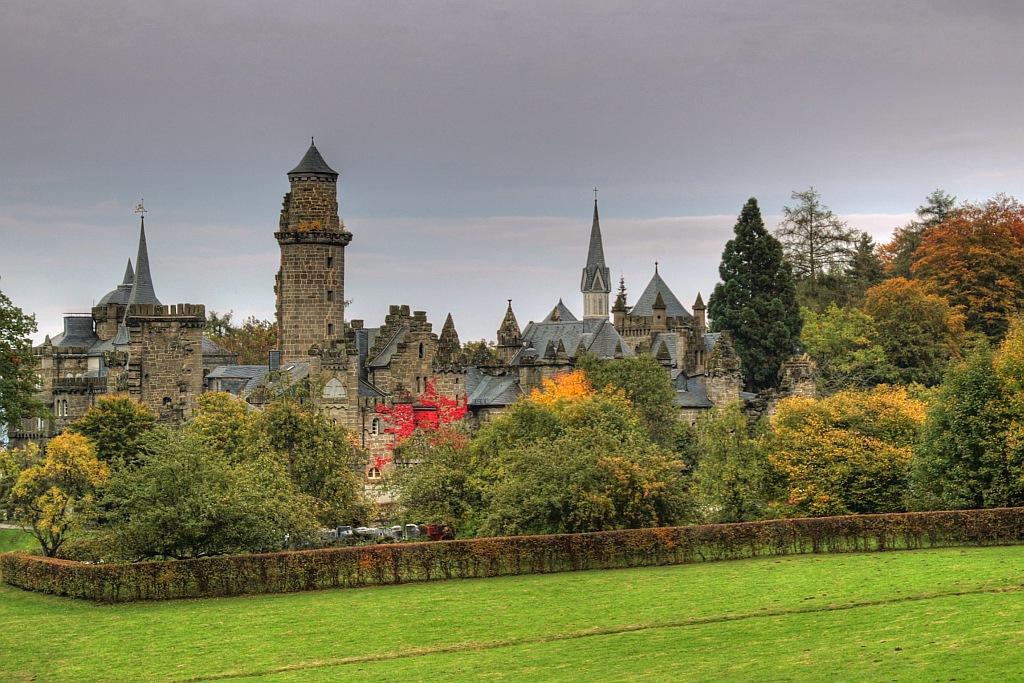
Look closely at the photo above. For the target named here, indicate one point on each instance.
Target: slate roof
(691, 393)
(668, 340)
(383, 358)
(240, 380)
(597, 335)
(123, 291)
(313, 164)
(645, 304)
(488, 391)
(596, 275)
(212, 348)
(142, 288)
(561, 313)
(78, 332)
(710, 339)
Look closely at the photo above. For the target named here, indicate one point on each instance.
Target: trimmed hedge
(404, 562)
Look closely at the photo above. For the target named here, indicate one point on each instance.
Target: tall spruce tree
(756, 300)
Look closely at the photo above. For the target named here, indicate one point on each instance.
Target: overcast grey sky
(469, 137)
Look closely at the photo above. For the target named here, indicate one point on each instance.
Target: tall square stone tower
(310, 285)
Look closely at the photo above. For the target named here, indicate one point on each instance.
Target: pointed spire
(142, 286)
(596, 282)
(699, 303)
(129, 274)
(659, 302)
(449, 334)
(509, 333)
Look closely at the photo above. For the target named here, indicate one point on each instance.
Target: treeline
(118, 487)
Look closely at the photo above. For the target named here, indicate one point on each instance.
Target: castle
(132, 345)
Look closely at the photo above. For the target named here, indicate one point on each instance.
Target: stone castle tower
(596, 281)
(310, 284)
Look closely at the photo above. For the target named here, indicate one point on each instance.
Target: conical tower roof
(142, 287)
(509, 326)
(313, 164)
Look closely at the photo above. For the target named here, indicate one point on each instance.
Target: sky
(469, 137)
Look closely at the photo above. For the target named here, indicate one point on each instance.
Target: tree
(187, 500)
(319, 457)
(919, 332)
(756, 300)
(18, 382)
(54, 493)
(222, 421)
(646, 385)
(866, 269)
(118, 428)
(847, 454)
(959, 461)
(975, 258)
(734, 479)
(898, 255)
(568, 459)
(845, 345)
(816, 241)
(251, 342)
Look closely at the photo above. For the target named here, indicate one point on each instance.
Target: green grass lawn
(15, 539)
(930, 615)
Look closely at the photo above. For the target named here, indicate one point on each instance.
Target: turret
(510, 337)
(310, 284)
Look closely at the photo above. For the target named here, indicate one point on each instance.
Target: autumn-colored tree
(561, 388)
(848, 453)
(54, 493)
(898, 255)
(566, 459)
(118, 428)
(919, 332)
(430, 412)
(975, 258)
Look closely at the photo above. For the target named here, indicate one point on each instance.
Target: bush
(405, 562)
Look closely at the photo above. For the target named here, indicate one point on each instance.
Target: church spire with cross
(596, 281)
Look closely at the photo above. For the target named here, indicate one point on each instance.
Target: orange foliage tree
(975, 258)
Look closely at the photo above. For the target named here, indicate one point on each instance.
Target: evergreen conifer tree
(756, 300)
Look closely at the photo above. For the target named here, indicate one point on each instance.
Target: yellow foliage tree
(847, 454)
(562, 388)
(54, 493)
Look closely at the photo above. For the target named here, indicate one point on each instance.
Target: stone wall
(165, 368)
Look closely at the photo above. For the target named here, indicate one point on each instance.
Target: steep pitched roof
(142, 288)
(593, 335)
(645, 304)
(560, 313)
(313, 164)
(596, 275)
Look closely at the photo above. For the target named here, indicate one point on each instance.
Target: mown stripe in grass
(595, 632)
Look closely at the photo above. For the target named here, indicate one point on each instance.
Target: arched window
(334, 389)
(373, 473)
(421, 349)
(375, 426)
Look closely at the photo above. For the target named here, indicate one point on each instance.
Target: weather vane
(140, 208)
(595, 194)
